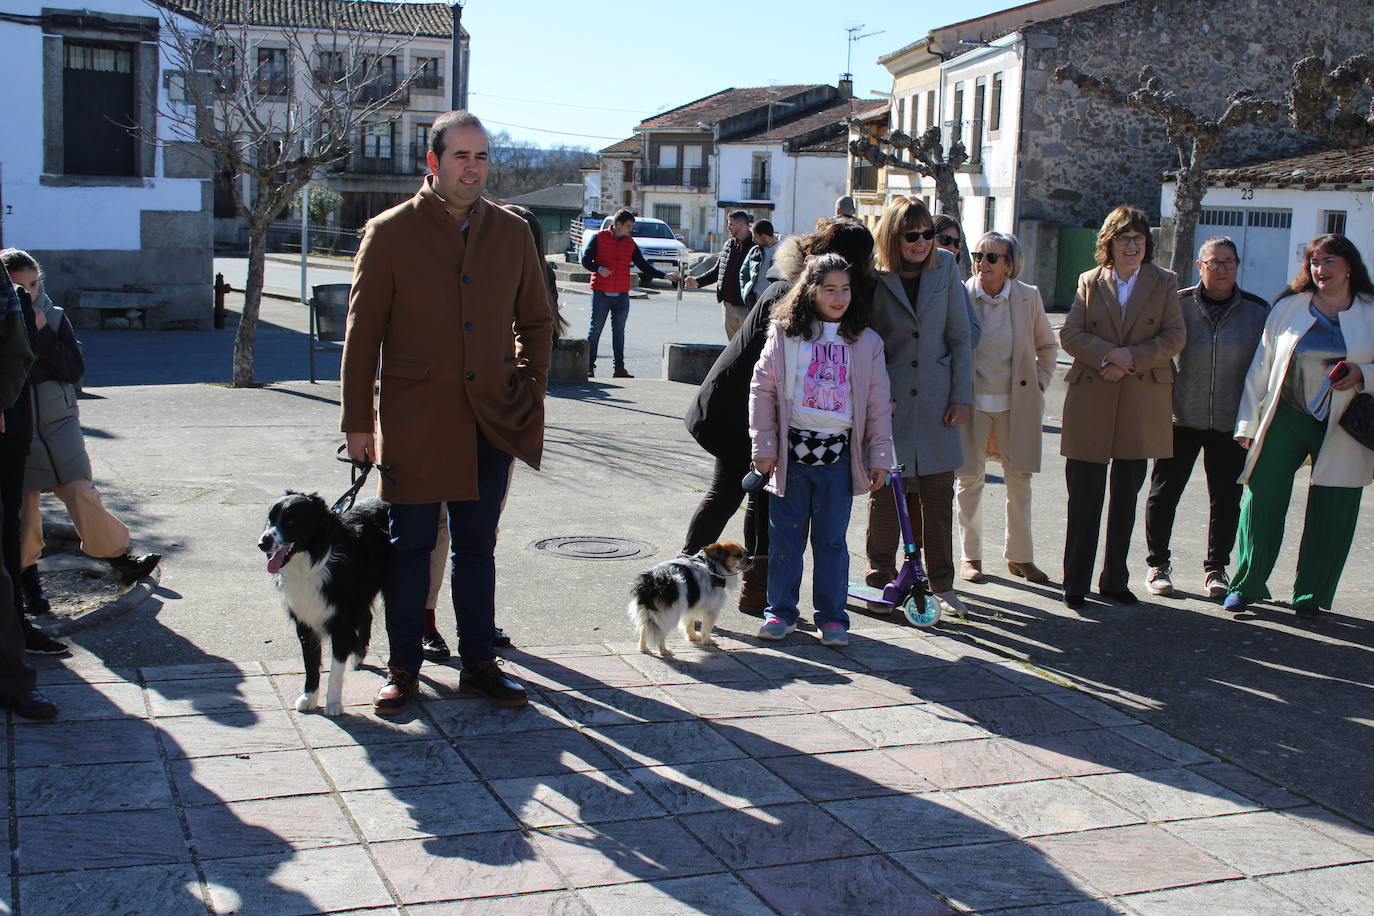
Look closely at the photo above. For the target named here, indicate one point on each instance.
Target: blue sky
(540, 66)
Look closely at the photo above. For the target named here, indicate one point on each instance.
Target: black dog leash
(358, 475)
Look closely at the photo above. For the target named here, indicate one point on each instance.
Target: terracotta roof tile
(802, 125)
(717, 106)
(432, 20)
(1308, 170)
(627, 147)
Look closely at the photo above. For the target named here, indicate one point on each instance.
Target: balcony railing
(971, 133)
(674, 176)
(401, 161)
(379, 89)
(864, 177)
(427, 81)
(754, 189)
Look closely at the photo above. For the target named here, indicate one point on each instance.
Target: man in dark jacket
(728, 264)
(18, 683)
(610, 255)
(1224, 324)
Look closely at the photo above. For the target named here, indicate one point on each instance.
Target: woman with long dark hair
(718, 417)
(1290, 412)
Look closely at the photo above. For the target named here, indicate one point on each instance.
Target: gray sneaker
(775, 628)
(1158, 581)
(834, 634)
(1217, 584)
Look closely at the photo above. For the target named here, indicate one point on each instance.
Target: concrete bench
(99, 308)
(689, 362)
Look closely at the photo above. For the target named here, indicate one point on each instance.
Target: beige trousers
(968, 494)
(102, 535)
(734, 318)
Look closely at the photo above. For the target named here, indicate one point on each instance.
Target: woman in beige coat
(1012, 364)
(1123, 332)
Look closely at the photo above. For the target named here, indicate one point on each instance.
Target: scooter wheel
(922, 611)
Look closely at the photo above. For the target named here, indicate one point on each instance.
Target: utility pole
(458, 95)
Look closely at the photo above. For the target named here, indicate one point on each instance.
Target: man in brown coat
(449, 300)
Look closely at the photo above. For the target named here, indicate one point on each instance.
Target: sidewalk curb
(136, 594)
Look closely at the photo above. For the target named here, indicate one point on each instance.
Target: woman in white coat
(1326, 316)
(1012, 365)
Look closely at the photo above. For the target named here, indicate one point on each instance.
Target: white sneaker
(1217, 584)
(950, 603)
(1158, 581)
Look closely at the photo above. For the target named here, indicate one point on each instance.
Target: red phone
(1338, 371)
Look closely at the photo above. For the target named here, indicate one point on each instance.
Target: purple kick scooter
(910, 591)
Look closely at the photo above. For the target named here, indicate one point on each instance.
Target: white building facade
(114, 218)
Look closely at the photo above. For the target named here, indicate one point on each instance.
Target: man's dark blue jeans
(472, 530)
(618, 306)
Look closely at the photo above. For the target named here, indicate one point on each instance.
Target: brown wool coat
(1132, 418)
(462, 332)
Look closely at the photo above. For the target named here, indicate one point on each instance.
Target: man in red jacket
(609, 256)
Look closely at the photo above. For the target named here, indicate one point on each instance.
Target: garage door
(1267, 261)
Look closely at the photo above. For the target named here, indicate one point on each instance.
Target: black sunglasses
(915, 234)
(992, 256)
(948, 240)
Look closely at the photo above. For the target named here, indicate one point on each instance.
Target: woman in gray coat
(57, 458)
(921, 311)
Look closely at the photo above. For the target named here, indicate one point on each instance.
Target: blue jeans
(819, 497)
(618, 305)
(472, 562)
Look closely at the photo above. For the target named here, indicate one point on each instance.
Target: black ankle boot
(35, 602)
(130, 568)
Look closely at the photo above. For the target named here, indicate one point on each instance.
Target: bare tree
(1194, 137)
(926, 156)
(276, 117)
(1324, 103)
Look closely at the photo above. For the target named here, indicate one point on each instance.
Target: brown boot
(753, 586)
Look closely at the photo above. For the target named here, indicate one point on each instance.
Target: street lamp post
(457, 97)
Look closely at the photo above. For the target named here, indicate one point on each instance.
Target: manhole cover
(594, 547)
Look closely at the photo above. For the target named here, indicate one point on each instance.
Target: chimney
(846, 86)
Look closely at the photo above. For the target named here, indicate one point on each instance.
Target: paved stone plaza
(910, 773)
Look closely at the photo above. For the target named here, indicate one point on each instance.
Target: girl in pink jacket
(820, 420)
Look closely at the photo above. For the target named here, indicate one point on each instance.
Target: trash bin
(331, 311)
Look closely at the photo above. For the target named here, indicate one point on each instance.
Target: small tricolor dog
(690, 590)
(329, 567)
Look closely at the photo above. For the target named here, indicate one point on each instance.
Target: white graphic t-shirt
(821, 402)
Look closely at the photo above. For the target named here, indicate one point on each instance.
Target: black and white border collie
(329, 568)
(687, 589)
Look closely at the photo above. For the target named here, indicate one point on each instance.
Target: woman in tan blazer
(1012, 364)
(1123, 332)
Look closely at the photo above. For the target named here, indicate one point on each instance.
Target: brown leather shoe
(1028, 571)
(488, 680)
(971, 571)
(878, 578)
(396, 693)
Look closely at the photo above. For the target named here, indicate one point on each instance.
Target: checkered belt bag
(812, 448)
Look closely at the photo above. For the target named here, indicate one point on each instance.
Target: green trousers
(1327, 529)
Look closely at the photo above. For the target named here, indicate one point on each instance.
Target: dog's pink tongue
(274, 562)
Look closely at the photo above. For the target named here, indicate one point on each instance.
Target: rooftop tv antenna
(852, 37)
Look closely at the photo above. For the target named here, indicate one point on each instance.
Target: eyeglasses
(1222, 263)
(949, 241)
(992, 256)
(1130, 241)
(915, 234)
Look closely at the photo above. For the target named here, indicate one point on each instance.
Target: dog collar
(717, 576)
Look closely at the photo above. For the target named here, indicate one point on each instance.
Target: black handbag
(1358, 419)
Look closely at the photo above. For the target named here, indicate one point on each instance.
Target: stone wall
(171, 276)
(1080, 157)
